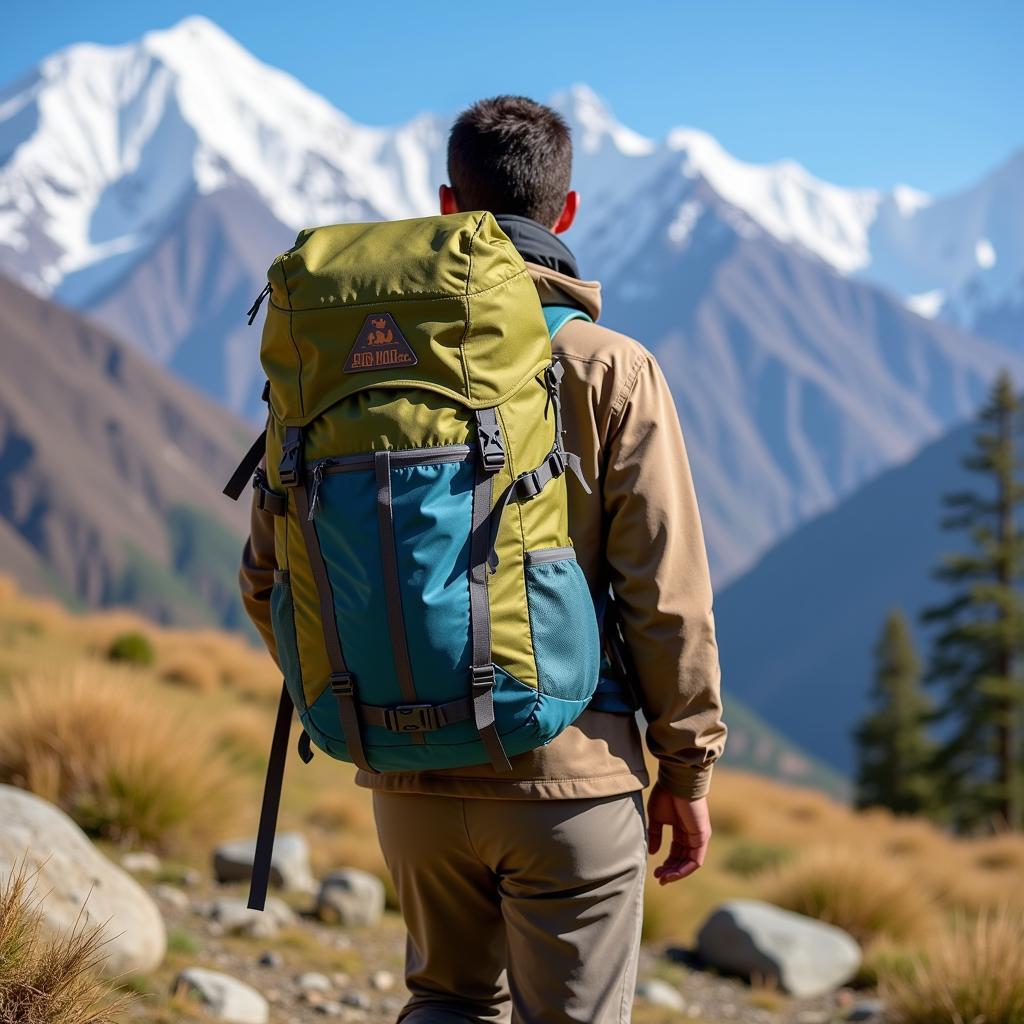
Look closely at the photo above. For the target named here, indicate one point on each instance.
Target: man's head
(511, 155)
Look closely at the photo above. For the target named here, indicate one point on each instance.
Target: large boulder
(350, 897)
(78, 880)
(289, 866)
(804, 957)
(224, 997)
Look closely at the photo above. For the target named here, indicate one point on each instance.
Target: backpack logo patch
(379, 345)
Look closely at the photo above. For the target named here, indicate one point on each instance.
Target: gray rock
(233, 917)
(289, 866)
(867, 1010)
(350, 897)
(226, 998)
(329, 1009)
(802, 956)
(141, 862)
(660, 993)
(382, 981)
(312, 981)
(171, 897)
(78, 880)
(360, 1000)
(271, 958)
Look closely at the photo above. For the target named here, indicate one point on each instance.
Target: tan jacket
(640, 532)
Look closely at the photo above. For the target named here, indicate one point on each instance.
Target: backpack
(428, 609)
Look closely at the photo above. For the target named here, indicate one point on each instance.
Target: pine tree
(977, 652)
(895, 753)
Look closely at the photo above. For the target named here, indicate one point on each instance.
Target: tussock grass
(45, 978)
(864, 893)
(973, 973)
(191, 671)
(117, 761)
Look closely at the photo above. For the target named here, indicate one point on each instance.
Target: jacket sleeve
(256, 576)
(659, 573)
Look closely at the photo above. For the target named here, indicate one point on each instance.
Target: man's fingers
(654, 830)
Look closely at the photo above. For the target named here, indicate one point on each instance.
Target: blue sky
(862, 93)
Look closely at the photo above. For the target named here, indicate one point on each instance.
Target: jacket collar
(555, 289)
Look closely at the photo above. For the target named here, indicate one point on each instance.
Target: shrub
(44, 978)
(973, 973)
(749, 858)
(862, 892)
(121, 766)
(132, 648)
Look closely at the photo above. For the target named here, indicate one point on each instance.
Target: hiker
(520, 878)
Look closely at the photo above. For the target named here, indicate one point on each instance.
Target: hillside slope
(797, 631)
(112, 472)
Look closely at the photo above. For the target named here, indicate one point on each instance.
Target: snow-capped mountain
(150, 184)
(99, 147)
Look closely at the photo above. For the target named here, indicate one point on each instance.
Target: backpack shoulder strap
(558, 316)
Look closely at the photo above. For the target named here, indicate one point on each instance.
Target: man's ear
(446, 196)
(568, 214)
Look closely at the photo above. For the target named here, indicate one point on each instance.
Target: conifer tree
(895, 753)
(977, 656)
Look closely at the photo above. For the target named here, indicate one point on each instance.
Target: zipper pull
(314, 493)
(255, 307)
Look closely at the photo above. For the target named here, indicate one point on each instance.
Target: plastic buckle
(411, 718)
(343, 684)
(483, 677)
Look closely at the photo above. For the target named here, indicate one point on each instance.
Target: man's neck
(537, 244)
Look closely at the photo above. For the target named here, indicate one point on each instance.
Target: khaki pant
(521, 910)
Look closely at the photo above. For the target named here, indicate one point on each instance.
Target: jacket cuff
(684, 781)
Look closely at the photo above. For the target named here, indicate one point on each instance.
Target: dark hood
(536, 244)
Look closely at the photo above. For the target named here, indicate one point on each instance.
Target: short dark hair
(511, 154)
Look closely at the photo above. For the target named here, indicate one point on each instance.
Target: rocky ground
(308, 970)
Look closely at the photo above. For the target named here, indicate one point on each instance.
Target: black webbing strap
(259, 880)
(341, 680)
(482, 669)
(305, 747)
(392, 587)
(242, 475)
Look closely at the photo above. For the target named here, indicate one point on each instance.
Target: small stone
(340, 979)
(660, 993)
(360, 1000)
(271, 958)
(141, 862)
(350, 897)
(330, 1009)
(813, 1017)
(392, 1004)
(226, 998)
(382, 981)
(171, 896)
(312, 981)
(191, 877)
(289, 866)
(313, 998)
(867, 1010)
(233, 917)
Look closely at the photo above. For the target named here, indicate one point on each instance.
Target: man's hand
(691, 833)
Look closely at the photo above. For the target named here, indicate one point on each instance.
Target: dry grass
(191, 671)
(96, 743)
(244, 735)
(972, 974)
(864, 893)
(47, 979)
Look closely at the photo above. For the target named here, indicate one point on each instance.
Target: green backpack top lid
(453, 289)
